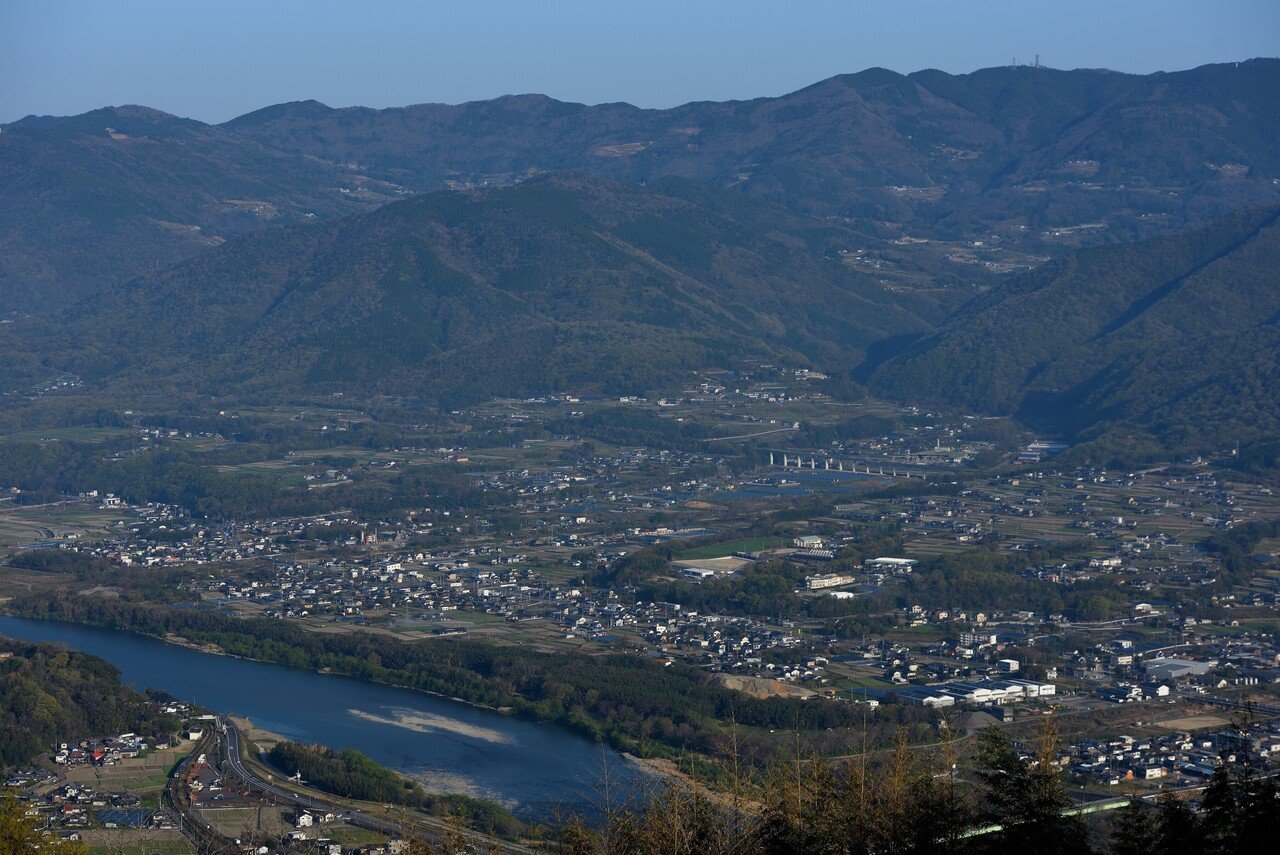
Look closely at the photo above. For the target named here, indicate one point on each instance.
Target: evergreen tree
(1177, 829)
(1221, 812)
(1027, 800)
(1133, 830)
(1260, 816)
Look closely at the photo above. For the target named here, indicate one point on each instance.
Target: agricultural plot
(350, 835)
(231, 822)
(720, 550)
(126, 841)
(146, 776)
(1193, 722)
(14, 582)
(25, 526)
(67, 434)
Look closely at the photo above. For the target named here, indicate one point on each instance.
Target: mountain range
(96, 199)
(558, 282)
(929, 147)
(1090, 252)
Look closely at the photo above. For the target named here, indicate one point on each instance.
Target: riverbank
(412, 722)
(262, 739)
(662, 771)
(538, 770)
(631, 701)
(440, 815)
(627, 701)
(212, 649)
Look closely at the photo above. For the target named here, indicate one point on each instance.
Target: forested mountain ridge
(614, 248)
(1053, 146)
(559, 282)
(92, 200)
(1175, 338)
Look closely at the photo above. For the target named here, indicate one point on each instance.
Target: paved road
(1239, 705)
(233, 743)
(751, 435)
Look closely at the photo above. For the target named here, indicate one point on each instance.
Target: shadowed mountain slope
(92, 200)
(1176, 338)
(555, 283)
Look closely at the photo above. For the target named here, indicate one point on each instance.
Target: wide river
(538, 771)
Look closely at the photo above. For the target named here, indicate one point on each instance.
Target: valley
(885, 466)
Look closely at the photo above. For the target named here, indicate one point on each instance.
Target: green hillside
(99, 198)
(90, 201)
(1176, 339)
(49, 694)
(556, 283)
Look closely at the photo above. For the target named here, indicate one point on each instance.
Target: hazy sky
(216, 59)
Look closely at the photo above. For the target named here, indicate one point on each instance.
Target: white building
(890, 565)
(827, 580)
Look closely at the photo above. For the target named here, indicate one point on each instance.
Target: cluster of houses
(418, 584)
(723, 642)
(310, 834)
(106, 751)
(308, 837)
(1177, 758)
(637, 478)
(164, 536)
(1094, 505)
(75, 806)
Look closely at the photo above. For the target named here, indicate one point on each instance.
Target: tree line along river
(538, 771)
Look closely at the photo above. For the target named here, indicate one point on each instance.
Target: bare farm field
(1193, 722)
(24, 526)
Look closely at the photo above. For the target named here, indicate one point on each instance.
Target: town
(940, 570)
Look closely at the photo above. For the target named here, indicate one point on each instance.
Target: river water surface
(539, 771)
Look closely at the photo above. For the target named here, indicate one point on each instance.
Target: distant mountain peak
(1021, 151)
(139, 111)
(97, 120)
(308, 109)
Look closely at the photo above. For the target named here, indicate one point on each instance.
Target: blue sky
(216, 59)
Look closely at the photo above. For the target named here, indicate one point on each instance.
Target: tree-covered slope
(94, 199)
(91, 200)
(1176, 338)
(49, 694)
(555, 283)
(1036, 145)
